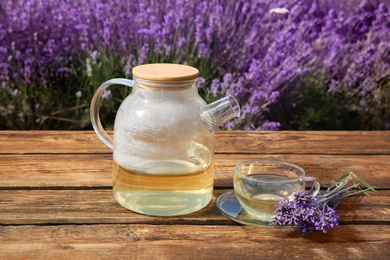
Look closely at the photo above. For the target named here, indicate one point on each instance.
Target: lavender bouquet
(317, 212)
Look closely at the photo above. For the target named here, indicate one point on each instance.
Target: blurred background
(292, 64)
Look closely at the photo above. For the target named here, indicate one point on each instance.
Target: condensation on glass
(163, 145)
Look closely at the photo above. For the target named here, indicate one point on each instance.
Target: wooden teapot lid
(165, 72)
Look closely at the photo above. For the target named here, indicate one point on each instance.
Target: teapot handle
(95, 119)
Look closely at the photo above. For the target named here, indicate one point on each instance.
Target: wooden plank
(372, 168)
(20, 207)
(246, 142)
(94, 170)
(85, 207)
(303, 142)
(22, 142)
(191, 242)
(42, 170)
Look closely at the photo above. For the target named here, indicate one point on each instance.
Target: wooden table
(56, 200)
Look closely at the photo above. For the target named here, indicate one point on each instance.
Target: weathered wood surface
(20, 207)
(141, 241)
(237, 142)
(56, 200)
(94, 170)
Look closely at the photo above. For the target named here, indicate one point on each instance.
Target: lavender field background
(323, 65)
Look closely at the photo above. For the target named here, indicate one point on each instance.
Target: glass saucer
(229, 206)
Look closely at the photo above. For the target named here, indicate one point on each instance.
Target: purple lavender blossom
(181, 42)
(305, 212)
(16, 92)
(130, 63)
(143, 54)
(201, 81)
(95, 55)
(269, 126)
(106, 94)
(214, 87)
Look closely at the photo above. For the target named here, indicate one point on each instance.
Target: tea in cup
(259, 186)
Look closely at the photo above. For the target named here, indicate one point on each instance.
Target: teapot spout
(219, 112)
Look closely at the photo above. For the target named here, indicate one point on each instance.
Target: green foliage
(316, 108)
(321, 110)
(57, 106)
(338, 190)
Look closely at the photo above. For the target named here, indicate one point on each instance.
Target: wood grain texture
(95, 170)
(238, 142)
(303, 142)
(190, 242)
(56, 200)
(98, 206)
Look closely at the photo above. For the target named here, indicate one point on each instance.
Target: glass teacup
(259, 185)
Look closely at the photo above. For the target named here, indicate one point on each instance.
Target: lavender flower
(315, 212)
(201, 81)
(181, 42)
(107, 94)
(16, 92)
(305, 212)
(270, 126)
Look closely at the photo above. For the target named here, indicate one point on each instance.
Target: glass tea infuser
(163, 144)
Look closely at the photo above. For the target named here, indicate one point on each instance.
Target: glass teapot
(163, 145)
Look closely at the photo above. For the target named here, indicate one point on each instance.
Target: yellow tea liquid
(160, 194)
(260, 206)
(260, 200)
